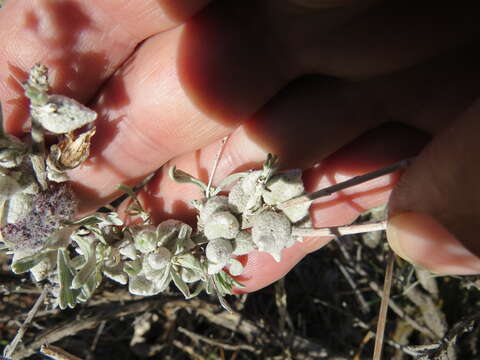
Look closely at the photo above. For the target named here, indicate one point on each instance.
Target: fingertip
(422, 240)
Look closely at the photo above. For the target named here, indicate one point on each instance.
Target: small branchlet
(39, 228)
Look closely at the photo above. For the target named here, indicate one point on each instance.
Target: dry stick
(215, 165)
(340, 230)
(361, 300)
(97, 335)
(10, 348)
(197, 337)
(188, 349)
(89, 320)
(57, 353)
(346, 184)
(382, 316)
(398, 310)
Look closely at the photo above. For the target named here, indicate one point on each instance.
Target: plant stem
(340, 230)
(38, 153)
(10, 348)
(382, 315)
(215, 165)
(346, 184)
(57, 353)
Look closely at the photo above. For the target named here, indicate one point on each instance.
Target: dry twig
(382, 316)
(10, 348)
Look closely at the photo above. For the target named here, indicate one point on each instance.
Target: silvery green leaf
(184, 232)
(8, 186)
(128, 250)
(61, 114)
(167, 230)
(225, 283)
(88, 250)
(24, 264)
(134, 267)
(209, 285)
(190, 276)
(223, 287)
(26, 179)
(145, 239)
(225, 304)
(235, 268)
(188, 261)
(40, 271)
(77, 262)
(88, 288)
(87, 220)
(116, 273)
(109, 219)
(222, 284)
(12, 151)
(140, 285)
(179, 283)
(182, 177)
(162, 282)
(18, 207)
(104, 252)
(158, 259)
(67, 296)
(227, 181)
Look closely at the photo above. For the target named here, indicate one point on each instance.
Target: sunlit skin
(336, 87)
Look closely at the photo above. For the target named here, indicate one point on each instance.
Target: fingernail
(422, 240)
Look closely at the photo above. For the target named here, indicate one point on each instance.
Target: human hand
(163, 91)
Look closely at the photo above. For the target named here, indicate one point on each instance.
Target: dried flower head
(50, 209)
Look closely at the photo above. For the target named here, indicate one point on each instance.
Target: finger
(166, 199)
(308, 120)
(81, 42)
(147, 113)
(388, 36)
(373, 150)
(435, 209)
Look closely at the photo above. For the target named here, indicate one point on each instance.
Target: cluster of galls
(247, 219)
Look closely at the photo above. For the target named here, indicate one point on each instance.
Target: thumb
(435, 208)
